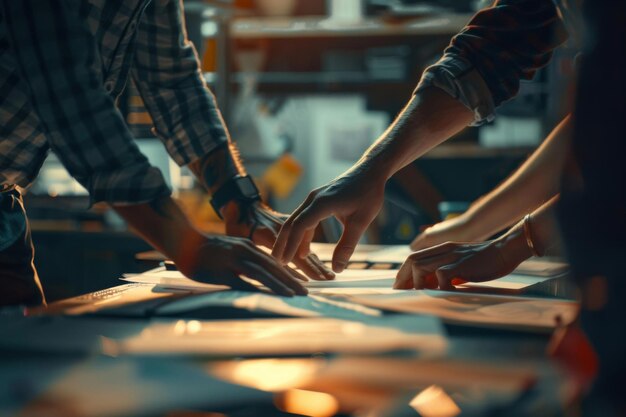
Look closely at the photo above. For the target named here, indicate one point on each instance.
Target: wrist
(513, 245)
(240, 190)
(185, 255)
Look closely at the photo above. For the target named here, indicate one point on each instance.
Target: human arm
(536, 181)
(212, 259)
(186, 118)
(58, 60)
(356, 196)
(438, 266)
(481, 69)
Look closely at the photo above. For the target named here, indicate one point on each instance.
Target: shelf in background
(321, 77)
(321, 26)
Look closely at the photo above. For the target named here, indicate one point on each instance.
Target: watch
(239, 188)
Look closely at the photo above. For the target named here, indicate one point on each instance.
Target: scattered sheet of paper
(477, 309)
(354, 278)
(171, 279)
(513, 282)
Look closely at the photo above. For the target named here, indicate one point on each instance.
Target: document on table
(171, 279)
(398, 253)
(348, 278)
(348, 282)
(477, 309)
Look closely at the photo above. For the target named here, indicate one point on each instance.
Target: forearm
(541, 230)
(430, 117)
(535, 182)
(215, 168)
(163, 224)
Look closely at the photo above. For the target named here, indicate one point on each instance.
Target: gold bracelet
(529, 236)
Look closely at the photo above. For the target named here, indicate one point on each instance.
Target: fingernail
(339, 267)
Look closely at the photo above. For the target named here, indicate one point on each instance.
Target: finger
(295, 273)
(314, 268)
(287, 277)
(307, 221)
(258, 273)
(446, 273)
(404, 277)
(352, 232)
(240, 285)
(283, 234)
(419, 273)
(317, 262)
(305, 246)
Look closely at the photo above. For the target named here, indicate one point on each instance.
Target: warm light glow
(193, 327)
(308, 403)
(434, 402)
(268, 374)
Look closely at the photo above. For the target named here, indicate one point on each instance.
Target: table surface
(482, 372)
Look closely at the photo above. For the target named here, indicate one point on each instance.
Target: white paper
(478, 309)
(171, 279)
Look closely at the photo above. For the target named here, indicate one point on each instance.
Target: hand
(261, 224)
(222, 259)
(354, 199)
(456, 229)
(440, 265)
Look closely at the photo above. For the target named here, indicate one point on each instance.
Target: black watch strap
(239, 188)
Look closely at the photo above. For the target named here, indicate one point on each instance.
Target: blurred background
(305, 86)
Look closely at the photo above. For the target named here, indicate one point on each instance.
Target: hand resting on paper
(261, 224)
(441, 265)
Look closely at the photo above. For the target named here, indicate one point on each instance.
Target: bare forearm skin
(163, 224)
(429, 118)
(535, 182)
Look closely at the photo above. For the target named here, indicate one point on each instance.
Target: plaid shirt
(501, 45)
(63, 63)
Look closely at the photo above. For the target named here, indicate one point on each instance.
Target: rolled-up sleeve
(501, 45)
(167, 74)
(58, 60)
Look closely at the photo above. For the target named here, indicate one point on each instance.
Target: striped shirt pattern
(64, 63)
(501, 45)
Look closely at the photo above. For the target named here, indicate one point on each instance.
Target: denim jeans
(19, 281)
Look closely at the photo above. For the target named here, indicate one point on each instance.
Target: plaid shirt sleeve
(167, 73)
(501, 45)
(58, 60)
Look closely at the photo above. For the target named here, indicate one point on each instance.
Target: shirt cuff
(462, 81)
(136, 184)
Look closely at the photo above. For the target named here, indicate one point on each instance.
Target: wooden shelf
(321, 26)
(295, 77)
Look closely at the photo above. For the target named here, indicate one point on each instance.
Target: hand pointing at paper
(356, 197)
(342, 198)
